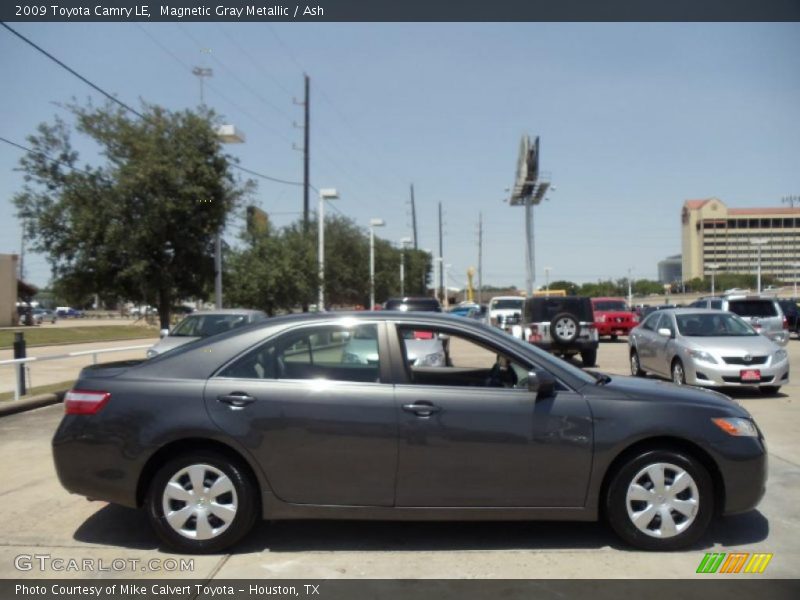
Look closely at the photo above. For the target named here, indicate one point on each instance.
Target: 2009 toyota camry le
(329, 416)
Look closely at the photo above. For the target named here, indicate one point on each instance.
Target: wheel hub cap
(662, 500)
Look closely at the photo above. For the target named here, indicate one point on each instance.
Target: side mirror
(664, 332)
(164, 333)
(542, 384)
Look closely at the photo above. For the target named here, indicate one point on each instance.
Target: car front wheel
(636, 367)
(201, 502)
(678, 373)
(660, 500)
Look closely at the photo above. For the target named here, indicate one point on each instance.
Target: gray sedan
(710, 348)
(277, 420)
(204, 324)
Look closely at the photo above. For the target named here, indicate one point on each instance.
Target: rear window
(753, 308)
(413, 304)
(509, 303)
(609, 305)
(538, 310)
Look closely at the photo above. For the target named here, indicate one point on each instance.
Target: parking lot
(44, 520)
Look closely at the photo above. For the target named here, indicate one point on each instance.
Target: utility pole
(22, 255)
(306, 134)
(480, 257)
(795, 255)
(441, 270)
(413, 216)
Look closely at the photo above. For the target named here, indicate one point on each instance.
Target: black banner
(402, 10)
(712, 588)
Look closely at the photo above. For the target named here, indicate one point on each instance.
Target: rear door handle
(421, 409)
(236, 399)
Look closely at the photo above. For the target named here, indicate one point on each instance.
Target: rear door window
(753, 308)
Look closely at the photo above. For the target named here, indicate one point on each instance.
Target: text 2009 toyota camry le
(324, 416)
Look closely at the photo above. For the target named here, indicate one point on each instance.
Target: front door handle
(421, 409)
(236, 399)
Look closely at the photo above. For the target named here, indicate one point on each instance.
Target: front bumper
(743, 466)
(706, 374)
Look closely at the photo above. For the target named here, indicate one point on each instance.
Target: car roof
(228, 311)
(694, 311)
(616, 298)
(507, 298)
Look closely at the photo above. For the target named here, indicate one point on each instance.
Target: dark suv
(792, 314)
(422, 303)
(563, 325)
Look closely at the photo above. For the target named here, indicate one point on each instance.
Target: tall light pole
(758, 243)
(445, 267)
(437, 270)
(324, 194)
(373, 223)
(547, 280)
(713, 268)
(404, 242)
(796, 275)
(630, 290)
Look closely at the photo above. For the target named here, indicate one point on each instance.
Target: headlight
(737, 426)
(601, 318)
(779, 356)
(702, 355)
(432, 360)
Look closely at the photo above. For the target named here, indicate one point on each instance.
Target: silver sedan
(709, 348)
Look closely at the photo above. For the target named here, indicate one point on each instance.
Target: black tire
(678, 372)
(564, 328)
(689, 528)
(769, 390)
(636, 366)
(589, 357)
(244, 501)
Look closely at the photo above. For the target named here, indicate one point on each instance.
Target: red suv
(613, 317)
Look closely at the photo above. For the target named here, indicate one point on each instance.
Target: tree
(568, 286)
(141, 224)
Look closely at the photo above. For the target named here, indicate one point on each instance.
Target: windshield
(609, 305)
(713, 325)
(510, 303)
(207, 325)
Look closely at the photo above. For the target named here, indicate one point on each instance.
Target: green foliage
(570, 287)
(141, 224)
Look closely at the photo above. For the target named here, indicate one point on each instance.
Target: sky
(633, 120)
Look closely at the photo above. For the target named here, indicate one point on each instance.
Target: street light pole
(758, 243)
(630, 290)
(403, 244)
(713, 268)
(547, 281)
(373, 223)
(324, 194)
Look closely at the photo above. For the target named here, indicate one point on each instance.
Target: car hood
(169, 342)
(664, 391)
(755, 345)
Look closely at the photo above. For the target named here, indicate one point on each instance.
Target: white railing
(19, 363)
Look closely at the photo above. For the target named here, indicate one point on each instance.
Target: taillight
(534, 335)
(85, 402)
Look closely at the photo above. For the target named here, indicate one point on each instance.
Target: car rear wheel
(201, 502)
(660, 500)
(636, 367)
(678, 373)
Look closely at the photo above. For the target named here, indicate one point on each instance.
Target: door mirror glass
(665, 332)
(164, 333)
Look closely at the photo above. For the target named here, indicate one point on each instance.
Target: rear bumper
(614, 328)
(572, 348)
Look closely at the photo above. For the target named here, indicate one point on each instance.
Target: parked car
(43, 315)
(762, 312)
(204, 324)
(709, 348)
(792, 313)
(563, 325)
(272, 421)
(67, 312)
(506, 311)
(613, 317)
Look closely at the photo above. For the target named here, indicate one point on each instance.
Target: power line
(48, 157)
(75, 73)
(122, 104)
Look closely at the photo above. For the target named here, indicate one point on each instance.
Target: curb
(9, 407)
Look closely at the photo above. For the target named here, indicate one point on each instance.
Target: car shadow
(128, 528)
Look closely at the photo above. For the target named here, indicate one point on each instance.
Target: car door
(662, 345)
(644, 338)
(312, 407)
(464, 442)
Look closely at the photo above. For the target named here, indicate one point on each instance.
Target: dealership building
(715, 237)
